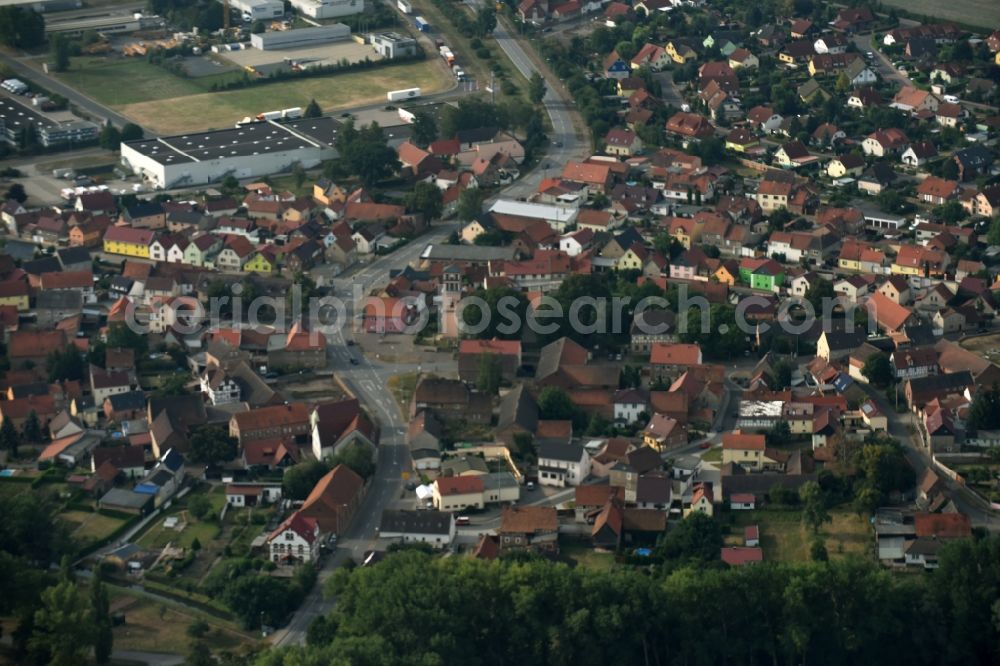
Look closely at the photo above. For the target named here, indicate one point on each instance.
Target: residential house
(562, 464)
(334, 500)
(529, 528)
(295, 541)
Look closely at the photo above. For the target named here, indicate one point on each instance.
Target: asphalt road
(98, 112)
(883, 66)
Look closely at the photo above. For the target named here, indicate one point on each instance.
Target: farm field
(163, 102)
(785, 538)
(983, 13)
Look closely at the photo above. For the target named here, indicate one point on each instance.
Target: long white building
(248, 151)
(324, 9)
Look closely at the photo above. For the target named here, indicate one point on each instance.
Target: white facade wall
(163, 176)
(322, 9)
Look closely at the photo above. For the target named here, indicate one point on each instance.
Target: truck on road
(422, 24)
(407, 93)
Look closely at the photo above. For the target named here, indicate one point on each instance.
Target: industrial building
(302, 38)
(259, 10)
(248, 151)
(114, 24)
(15, 117)
(324, 9)
(391, 45)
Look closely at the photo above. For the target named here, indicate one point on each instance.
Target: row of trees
(414, 609)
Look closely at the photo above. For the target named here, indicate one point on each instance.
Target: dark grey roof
(440, 252)
(560, 451)
(130, 400)
(844, 341)
(518, 408)
(939, 383)
(69, 256)
(415, 522)
(124, 498)
(477, 135)
(144, 209)
(42, 265)
(59, 300)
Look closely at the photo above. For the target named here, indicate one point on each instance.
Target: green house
(762, 274)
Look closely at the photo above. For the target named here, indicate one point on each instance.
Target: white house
(296, 540)
(220, 388)
(240, 495)
(436, 528)
(630, 404)
(561, 464)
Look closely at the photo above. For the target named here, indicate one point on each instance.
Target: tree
(843, 83)
(358, 456)
(696, 539)
(65, 365)
(779, 434)
(486, 20)
(312, 110)
(197, 629)
(536, 88)
(424, 129)
(64, 627)
(366, 153)
(878, 369)
(110, 138)
(9, 439)
(199, 654)
(59, 46)
(32, 429)
(131, 132)
(470, 204)
(195, 545)
(299, 480)
(817, 551)
(489, 374)
(258, 27)
(212, 445)
(554, 404)
(506, 310)
(782, 378)
(101, 617)
(425, 198)
(814, 511)
(21, 27)
(16, 193)
(199, 506)
(984, 413)
(175, 384)
(470, 113)
(994, 234)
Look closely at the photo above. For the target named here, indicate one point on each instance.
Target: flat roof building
(391, 45)
(15, 117)
(248, 151)
(301, 38)
(324, 9)
(259, 9)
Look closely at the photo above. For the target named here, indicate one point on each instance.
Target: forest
(415, 609)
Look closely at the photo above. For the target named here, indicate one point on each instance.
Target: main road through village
(367, 379)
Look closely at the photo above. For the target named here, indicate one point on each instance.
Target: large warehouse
(324, 9)
(249, 151)
(262, 10)
(303, 37)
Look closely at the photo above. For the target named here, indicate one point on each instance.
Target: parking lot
(328, 54)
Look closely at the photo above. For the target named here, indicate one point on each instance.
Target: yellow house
(680, 52)
(262, 262)
(630, 260)
(686, 231)
(740, 140)
(726, 273)
(799, 416)
(128, 241)
(744, 450)
(15, 292)
(471, 231)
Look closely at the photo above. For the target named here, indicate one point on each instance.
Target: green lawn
(713, 455)
(402, 387)
(155, 626)
(87, 527)
(120, 81)
(785, 539)
(583, 555)
(158, 536)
